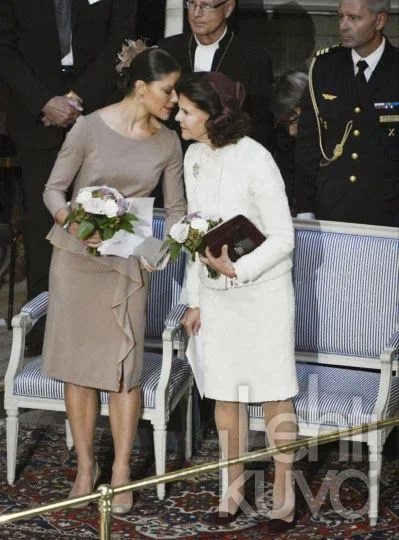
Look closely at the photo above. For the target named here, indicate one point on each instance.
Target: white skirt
(247, 349)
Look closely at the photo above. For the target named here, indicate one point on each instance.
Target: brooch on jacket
(196, 170)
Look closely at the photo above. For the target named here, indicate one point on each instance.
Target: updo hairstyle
(221, 98)
(139, 63)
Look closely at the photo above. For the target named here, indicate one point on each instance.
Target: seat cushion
(336, 396)
(30, 382)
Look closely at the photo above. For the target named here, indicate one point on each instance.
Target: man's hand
(61, 111)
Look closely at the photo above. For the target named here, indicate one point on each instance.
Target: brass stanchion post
(104, 505)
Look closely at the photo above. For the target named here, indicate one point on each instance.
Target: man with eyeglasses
(213, 46)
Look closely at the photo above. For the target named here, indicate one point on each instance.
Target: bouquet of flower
(188, 234)
(102, 209)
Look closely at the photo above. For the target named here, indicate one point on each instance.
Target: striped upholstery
(37, 307)
(161, 298)
(337, 396)
(336, 301)
(32, 383)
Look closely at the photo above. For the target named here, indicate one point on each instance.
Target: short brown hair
(226, 125)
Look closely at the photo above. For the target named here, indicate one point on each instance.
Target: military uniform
(347, 168)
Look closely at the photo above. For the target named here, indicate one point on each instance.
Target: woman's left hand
(222, 264)
(145, 265)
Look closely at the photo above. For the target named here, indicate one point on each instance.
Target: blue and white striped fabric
(340, 308)
(37, 307)
(164, 289)
(32, 383)
(337, 396)
(176, 314)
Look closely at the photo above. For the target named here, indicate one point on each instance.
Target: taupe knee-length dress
(96, 317)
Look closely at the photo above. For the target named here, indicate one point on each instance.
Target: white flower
(179, 232)
(84, 195)
(199, 224)
(111, 208)
(94, 205)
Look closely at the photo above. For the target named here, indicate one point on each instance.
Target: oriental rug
(332, 494)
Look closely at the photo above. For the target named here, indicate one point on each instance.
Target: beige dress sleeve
(173, 187)
(66, 166)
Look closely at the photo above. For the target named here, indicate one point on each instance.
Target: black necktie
(63, 11)
(362, 65)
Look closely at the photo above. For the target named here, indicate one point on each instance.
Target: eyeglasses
(204, 6)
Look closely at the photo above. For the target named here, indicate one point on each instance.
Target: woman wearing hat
(245, 317)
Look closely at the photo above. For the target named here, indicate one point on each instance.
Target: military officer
(347, 152)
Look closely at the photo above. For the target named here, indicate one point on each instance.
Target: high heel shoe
(279, 526)
(97, 474)
(221, 519)
(122, 508)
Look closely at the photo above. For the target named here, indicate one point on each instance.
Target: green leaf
(127, 227)
(107, 233)
(174, 250)
(130, 217)
(86, 228)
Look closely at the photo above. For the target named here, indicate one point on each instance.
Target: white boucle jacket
(240, 178)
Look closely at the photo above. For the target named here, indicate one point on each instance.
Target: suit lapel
(223, 44)
(76, 6)
(378, 79)
(192, 45)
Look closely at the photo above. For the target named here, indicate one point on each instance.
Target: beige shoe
(122, 508)
(97, 475)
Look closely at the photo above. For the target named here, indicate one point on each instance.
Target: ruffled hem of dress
(130, 280)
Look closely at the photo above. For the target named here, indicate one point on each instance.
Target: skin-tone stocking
(281, 428)
(232, 425)
(81, 405)
(124, 413)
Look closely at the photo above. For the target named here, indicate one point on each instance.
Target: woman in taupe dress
(96, 319)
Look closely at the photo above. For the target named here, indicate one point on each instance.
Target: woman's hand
(145, 265)
(222, 264)
(191, 321)
(94, 240)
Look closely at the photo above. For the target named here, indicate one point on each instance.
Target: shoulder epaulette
(327, 50)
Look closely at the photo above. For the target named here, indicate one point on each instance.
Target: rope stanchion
(105, 492)
(104, 506)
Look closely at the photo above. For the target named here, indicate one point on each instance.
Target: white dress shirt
(372, 60)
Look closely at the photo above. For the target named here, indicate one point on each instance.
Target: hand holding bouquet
(102, 209)
(188, 234)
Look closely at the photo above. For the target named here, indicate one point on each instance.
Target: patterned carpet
(46, 470)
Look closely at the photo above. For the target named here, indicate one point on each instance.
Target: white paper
(123, 243)
(195, 356)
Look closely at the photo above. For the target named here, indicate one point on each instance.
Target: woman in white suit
(246, 316)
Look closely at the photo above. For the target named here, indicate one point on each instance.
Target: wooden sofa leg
(12, 425)
(160, 456)
(375, 462)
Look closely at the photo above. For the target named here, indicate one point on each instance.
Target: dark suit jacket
(241, 61)
(362, 185)
(30, 63)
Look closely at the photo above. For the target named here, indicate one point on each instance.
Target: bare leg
(81, 406)
(232, 425)
(124, 413)
(281, 429)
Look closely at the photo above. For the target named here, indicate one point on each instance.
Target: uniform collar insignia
(329, 97)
